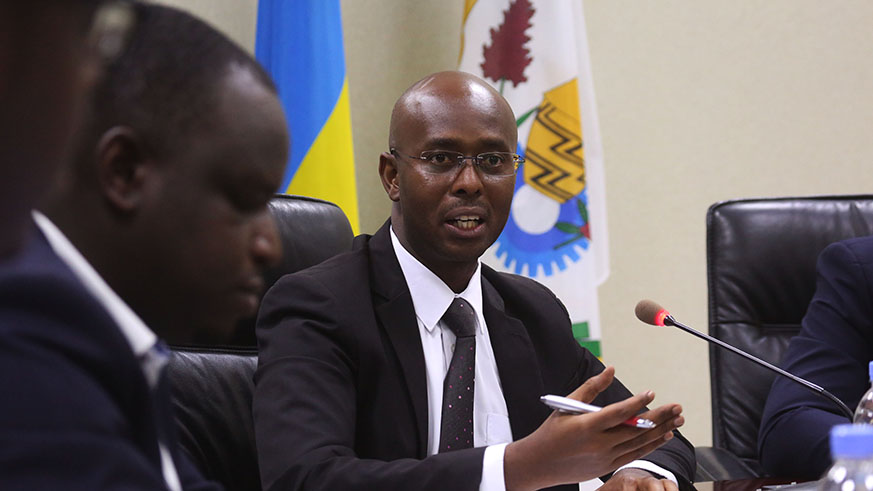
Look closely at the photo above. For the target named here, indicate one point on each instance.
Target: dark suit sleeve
(59, 429)
(305, 402)
(832, 350)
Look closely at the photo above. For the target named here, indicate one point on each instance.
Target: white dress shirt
(431, 298)
(140, 337)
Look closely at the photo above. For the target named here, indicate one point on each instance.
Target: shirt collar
(138, 335)
(431, 297)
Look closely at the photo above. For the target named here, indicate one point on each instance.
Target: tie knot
(460, 318)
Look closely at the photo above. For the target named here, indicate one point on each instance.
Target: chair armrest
(717, 464)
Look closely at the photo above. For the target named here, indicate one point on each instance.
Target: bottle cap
(852, 441)
(870, 371)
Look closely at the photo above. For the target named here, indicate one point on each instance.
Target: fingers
(594, 385)
(668, 415)
(641, 445)
(642, 451)
(667, 418)
(652, 484)
(617, 413)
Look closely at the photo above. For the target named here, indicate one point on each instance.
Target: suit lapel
(517, 364)
(396, 314)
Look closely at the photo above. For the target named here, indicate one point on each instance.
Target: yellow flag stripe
(328, 169)
(468, 6)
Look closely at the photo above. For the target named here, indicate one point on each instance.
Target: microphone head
(651, 313)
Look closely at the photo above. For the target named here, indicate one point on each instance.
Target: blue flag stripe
(300, 43)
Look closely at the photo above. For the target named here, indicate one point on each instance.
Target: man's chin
(469, 250)
(466, 258)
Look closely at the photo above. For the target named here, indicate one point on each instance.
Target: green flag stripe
(592, 346)
(580, 330)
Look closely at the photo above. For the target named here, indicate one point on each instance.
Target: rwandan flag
(300, 42)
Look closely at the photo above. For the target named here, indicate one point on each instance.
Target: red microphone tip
(651, 313)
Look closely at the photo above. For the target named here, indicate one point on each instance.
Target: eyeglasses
(110, 30)
(444, 162)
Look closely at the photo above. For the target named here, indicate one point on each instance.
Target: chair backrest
(761, 256)
(212, 384)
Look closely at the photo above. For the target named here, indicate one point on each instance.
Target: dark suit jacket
(76, 411)
(340, 399)
(832, 349)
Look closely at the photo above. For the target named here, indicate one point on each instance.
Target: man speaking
(407, 364)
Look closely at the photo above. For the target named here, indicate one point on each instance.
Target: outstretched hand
(574, 448)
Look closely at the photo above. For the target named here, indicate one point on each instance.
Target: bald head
(439, 93)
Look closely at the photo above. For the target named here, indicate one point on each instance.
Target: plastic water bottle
(864, 411)
(852, 453)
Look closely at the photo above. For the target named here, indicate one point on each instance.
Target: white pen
(572, 406)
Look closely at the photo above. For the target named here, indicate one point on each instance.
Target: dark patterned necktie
(456, 428)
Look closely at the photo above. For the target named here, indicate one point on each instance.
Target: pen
(572, 406)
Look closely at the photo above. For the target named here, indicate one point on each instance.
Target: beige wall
(699, 101)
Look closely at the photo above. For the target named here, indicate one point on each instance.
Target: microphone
(653, 314)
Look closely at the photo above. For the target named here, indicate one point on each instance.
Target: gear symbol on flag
(548, 252)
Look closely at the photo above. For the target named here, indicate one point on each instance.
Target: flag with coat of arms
(535, 52)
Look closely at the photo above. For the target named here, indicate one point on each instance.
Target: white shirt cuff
(492, 468)
(651, 467)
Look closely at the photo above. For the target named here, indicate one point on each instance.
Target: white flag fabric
(535, 52)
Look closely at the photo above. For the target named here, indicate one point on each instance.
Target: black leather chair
(761, 256)
(212, 384)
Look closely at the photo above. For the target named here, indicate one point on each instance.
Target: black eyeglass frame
(459, 160)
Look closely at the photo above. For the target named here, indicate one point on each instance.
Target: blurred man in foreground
(50, 55)
(158, 230)
(407, 364)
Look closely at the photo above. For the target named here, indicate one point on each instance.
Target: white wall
(699, 101)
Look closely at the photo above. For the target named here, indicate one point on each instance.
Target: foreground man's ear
(121, 162)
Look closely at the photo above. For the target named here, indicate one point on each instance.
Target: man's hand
(637, 479)
(574, 448)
